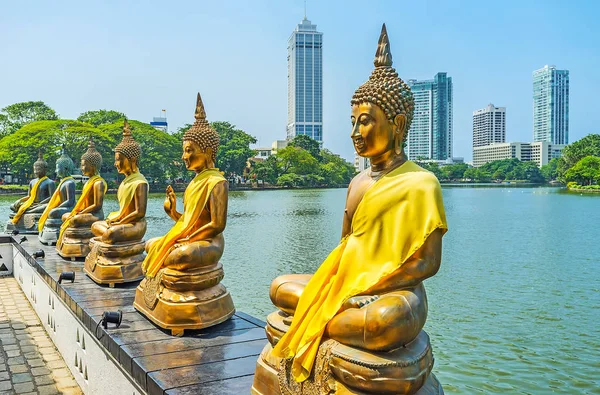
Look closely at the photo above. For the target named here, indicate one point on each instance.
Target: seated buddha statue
(355, 326)
(61, 202)
(27, 211)
(182, 288)
(117, 250)
(75, 231)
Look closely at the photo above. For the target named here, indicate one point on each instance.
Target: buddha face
(87, 168)
(372, 132)
(39, 170)
(123, 164)
(196, 158)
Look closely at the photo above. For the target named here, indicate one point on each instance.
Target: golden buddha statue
(61, 202)
(27, 211)
(117, 250)
(75, 231)
(355, 326)
(182, 288)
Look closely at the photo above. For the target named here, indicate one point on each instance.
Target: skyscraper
(551, 105)
(430, 134)
(489, 126)
(305, 82)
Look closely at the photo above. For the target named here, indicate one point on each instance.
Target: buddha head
(64, 164)
(382, 108)
(40, 166)
(200, 142)
(127, 152)
(91, 160)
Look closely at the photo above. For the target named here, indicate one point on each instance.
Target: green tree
(20, 149)
(290, 180)
(574, 152)
(101, 117)
(550, 170)
(307, 143)
(470, 174)
(234, 150)
(266, 170)
(17, 115)
(296, 160)
(585, 172)
(334, 169)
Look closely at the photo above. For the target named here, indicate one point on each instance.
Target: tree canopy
(234, 148)
(574, 152)
(15, 116)
(101, 117)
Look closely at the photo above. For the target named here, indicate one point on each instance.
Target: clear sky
(139, 57)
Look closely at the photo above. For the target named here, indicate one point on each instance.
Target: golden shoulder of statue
(117, 250)
(361, 318)
(182, 267)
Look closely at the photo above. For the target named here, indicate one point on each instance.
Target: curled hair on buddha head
(65, 161)
(92, 156)
(201, 132)
(384, 88)
(128, 146)
(40, 162)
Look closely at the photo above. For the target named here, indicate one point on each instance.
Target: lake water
(515, 307)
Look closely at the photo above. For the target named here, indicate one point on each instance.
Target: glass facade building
(430, 134)
(305, 82)
(551, 105)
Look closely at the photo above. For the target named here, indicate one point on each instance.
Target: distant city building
(361, 163)
(305, 82)
(551, 105)
(160, 123)
(262, 153)
(430, 134)
(489, 125)
(539, 152)
(277, 145)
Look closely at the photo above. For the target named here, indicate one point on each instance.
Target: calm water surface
(515, 307)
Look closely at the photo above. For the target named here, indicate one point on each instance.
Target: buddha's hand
(170, 200)
(357, 302)
(181, 242)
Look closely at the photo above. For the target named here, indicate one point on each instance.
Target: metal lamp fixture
(66, 276)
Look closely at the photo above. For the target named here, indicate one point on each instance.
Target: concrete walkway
(29, 362)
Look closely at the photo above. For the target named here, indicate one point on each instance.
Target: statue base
(341, 369)
(75, 243)
(50, 232)
(184, 310)
(114, 263)
(28, 224)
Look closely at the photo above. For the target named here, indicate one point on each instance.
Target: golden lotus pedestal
(344, 370)
(75, 243)
(185, 300)
(114, 263)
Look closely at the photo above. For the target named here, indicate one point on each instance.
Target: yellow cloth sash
(52, 204)
(125, 194)
(88, 188)
(29, 201)
(393, 220)
(195, 199)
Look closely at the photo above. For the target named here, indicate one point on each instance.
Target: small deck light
(39, 254)
(113, 317)
(66, 276)
(24, 238)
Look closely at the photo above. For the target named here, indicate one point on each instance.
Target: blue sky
(139, 57)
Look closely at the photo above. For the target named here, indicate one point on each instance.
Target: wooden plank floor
(217, 360)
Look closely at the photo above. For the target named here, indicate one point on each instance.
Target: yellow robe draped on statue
(88, 189)
(52, 204)
(29, 201)
(195, 199)
(393, 220)
(125, 194)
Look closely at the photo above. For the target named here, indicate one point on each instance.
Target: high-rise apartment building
(430, 134)
(551, 105)
(489, 125)
(305, 82)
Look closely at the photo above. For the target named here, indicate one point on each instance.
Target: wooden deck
(217, 360)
